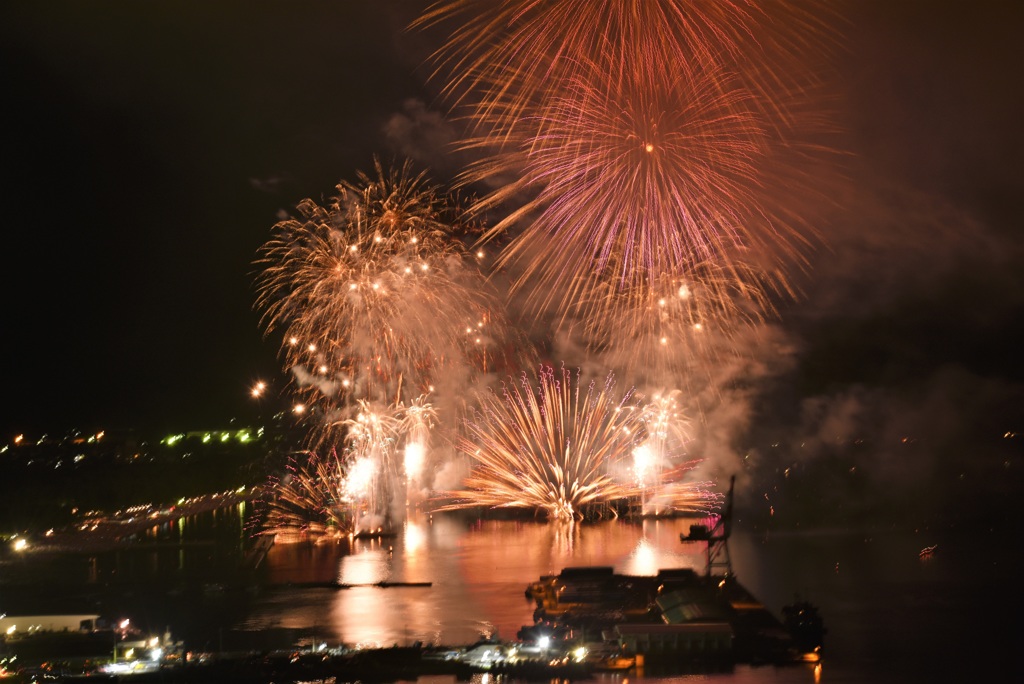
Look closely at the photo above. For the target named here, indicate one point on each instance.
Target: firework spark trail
(663, 482)
(358, 491)
(683, 497)
(375, 293)
(559, 448)
(666, 426)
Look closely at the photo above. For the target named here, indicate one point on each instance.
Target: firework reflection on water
(478, 572)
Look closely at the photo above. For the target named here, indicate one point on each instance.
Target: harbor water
(892, 614)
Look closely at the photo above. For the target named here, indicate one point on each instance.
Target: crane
(717, 538)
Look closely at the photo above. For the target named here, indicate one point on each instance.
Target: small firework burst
(309, 501)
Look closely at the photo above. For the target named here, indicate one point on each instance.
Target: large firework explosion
(568, 449)
(643, 138)
(637, 179)
(650, 175)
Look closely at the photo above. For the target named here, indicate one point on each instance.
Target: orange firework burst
(375, 293)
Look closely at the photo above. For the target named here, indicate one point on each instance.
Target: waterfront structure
(13, 626)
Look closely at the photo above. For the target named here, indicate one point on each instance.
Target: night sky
(149, 148)
(148, 151)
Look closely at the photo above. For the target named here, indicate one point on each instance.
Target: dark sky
(148, 148)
